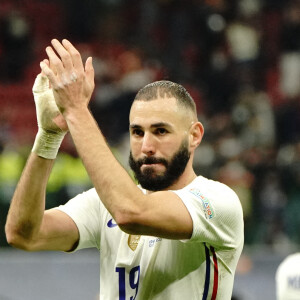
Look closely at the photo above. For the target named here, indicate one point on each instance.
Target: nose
(148, 144)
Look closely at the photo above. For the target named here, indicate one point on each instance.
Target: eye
(137, 132)
(161, 131)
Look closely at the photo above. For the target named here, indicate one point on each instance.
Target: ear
(196, 134)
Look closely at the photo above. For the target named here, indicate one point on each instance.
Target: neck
(183, 181)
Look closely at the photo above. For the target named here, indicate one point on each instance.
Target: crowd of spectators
(240, 61)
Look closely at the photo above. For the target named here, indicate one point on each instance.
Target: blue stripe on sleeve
(207, 274)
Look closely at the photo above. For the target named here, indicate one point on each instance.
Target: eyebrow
(155, 125)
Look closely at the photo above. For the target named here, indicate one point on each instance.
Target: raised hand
(71, 81)
(49, 117)
(52, 126)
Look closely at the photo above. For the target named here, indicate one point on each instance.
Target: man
(288, 278)
(177, 235)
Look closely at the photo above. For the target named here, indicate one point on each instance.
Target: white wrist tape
(47, 143)
(49, 136)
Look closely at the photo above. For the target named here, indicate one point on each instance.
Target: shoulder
(83, 201)
(209, 190)
(89, 195)
(211, 186)
(216, 211)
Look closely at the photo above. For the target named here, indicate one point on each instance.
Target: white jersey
(202, 267)
(288, 278)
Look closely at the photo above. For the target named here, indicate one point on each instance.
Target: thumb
(41, 84)
(89, 69)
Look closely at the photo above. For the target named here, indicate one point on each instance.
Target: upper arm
(58, 232)
(162, 214)
(210, 215)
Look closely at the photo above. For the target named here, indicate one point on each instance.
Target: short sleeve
(216, 213)
(85, 210)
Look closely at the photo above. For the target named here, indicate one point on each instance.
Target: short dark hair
(169, 89)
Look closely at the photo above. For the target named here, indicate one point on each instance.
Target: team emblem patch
(133, 241)
(207, 207)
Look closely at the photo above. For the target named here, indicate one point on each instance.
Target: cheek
(135, 148)
(168, 148)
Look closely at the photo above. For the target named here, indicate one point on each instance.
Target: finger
(46, 61)
(51, 66)
(75, 55)
(63, 53)
(49, 74)
(55, 62)
(89, 69)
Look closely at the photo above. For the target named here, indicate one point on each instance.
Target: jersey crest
(133, 241)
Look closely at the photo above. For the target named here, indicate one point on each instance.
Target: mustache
(152, 160)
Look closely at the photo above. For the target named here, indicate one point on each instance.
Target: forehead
(144, 113)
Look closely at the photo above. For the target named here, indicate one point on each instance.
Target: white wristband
(47, 143)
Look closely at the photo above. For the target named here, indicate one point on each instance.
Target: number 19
(134, 277)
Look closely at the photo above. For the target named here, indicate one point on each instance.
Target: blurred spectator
(16, 45)
(272, 200)
(119, 80)
(254, 119)
(288, 162)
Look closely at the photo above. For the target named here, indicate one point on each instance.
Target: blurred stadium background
(239, 59)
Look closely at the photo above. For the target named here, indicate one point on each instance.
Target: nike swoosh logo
(110, 224)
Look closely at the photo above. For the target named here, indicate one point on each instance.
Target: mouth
(152, 164)
(158, 167)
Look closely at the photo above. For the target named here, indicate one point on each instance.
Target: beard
(174, 169)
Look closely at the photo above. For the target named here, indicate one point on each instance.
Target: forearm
(73, 84)
(28, 204)
(116, 189)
